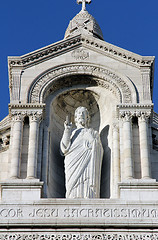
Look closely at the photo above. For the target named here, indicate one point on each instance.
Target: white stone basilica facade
(47, 85)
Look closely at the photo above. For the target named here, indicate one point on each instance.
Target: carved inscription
(76, 212)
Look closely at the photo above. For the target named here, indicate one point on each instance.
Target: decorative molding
(19, 111)
(106, 76)
(80, 236)
(5, 123)
(59, 48)
(137, 106)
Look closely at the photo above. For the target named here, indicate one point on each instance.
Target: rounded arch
(52, 80)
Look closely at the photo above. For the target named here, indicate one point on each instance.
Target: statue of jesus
(83, 153)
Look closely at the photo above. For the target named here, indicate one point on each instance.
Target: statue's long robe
(83, 162)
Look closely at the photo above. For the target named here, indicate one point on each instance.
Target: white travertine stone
(144, 149)
(116, 158)
(139, 190)
(127, 137)
(16, 145)
(33, 146)
(21, 190)
(83, 157)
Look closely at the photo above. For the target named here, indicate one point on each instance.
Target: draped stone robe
(83, 160)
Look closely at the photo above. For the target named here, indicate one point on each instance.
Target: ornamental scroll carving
(142, 115)
(34, 115)
(119, 84)
(82, 236)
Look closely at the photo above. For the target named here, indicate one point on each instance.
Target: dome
(83, 23)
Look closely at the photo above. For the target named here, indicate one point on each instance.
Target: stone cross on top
(83, 3)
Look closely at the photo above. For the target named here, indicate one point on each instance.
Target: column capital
(35, 116)
(115, 126)
(126, 115)
(143, 116)
(17, 116)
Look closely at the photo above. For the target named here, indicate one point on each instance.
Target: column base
(21, 190)
(139, 189)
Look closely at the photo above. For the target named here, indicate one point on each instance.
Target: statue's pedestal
(21, 190)
(139, 190)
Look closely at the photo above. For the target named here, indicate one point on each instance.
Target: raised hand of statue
(68, 124)
(65, 141)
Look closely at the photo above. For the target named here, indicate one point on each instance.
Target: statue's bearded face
(81, 116)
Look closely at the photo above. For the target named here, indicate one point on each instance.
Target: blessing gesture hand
(67, 124)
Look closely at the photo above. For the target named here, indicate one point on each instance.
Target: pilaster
(15, 84)
(145, 77)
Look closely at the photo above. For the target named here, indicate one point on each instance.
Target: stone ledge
(21, 190)
(139, 189)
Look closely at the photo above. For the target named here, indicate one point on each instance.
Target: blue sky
(27, 25)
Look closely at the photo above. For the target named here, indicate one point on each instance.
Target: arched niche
(50, 80)
(101, 104)
(63, 89)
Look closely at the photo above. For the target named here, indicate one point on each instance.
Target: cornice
(69, 44)
(58, 48)
(44, 53)
(5, 123)
(135, 106)
(27, 105)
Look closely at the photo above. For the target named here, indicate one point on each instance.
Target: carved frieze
(80, 236)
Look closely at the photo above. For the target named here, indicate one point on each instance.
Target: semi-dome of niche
(84, 23)
(66, 104)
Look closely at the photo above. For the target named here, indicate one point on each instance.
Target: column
(144, 149)
(33, 145)
(16, 145)
(116, 158)
(127, 145)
